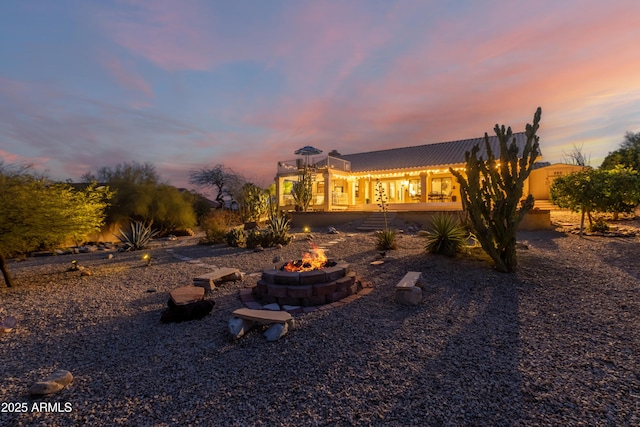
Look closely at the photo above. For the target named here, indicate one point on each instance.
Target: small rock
(277, 259)
(258, 249)
(272, 307)
(276, 331)
(332, 230)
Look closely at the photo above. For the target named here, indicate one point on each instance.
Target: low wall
(537, 219)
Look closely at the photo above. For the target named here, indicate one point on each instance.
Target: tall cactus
(492, 190)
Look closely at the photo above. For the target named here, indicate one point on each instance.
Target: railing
(295, 165)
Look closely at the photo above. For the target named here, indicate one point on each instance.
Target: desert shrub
(217, 224)
(236, 238)
(386, 239)
(254, 238)
(137, 236)
(445, 235)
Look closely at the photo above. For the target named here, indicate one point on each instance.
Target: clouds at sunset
(189, 84)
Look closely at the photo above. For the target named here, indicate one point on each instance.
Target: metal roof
(429, 155)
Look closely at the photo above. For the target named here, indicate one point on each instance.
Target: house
(414, 178)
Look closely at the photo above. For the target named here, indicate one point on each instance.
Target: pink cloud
(128, 78)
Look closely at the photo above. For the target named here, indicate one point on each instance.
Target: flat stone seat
(408, 281)
(265, 317)
(187, 294)
(207, 280)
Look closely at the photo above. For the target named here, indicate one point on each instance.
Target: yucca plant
(386, 239)
(445, 235)
(236, 238)
(137, 237)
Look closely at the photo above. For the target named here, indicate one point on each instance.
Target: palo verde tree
(36, 213)
(140, 195)
(493, 188)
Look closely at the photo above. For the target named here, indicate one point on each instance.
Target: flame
(313, 260)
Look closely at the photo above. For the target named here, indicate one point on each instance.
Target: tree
(493, 189)
(223, 180)
(578, 192)
(302, 190)
(627, 155)
(38, 213)
(621, 190)
(576, 157)
(597, 190)
(140, 195)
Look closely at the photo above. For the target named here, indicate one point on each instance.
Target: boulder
(181, 313)
(53, 383)
(411, 296)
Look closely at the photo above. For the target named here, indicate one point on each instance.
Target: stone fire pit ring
(307, 288)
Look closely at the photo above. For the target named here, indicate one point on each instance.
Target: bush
(600, 225)
(137, 237)
(236, 238)
(386, 239)
(217, 224)
(254, 238)
(445, 236)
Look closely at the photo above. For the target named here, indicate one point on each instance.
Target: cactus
(493, 189)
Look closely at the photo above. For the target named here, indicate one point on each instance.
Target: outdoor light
(147, 258)
(307, 229)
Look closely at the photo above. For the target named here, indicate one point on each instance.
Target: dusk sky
(191, 84)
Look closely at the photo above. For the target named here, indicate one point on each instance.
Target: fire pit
(311, 281)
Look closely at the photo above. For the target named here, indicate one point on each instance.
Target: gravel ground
(557, 343)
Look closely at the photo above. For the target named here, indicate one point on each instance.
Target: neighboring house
(413, 178)
(542, 177)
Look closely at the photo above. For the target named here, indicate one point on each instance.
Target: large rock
(238, 327)
(181, 313)
(53, 383)
(410, 296)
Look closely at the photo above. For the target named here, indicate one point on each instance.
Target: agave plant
(278, 231)
(445, 235)
(137, 237)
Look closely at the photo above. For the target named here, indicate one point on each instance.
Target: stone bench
(407, 293)
(225, 274)
(244, 319)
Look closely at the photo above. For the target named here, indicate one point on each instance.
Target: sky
(186, 85)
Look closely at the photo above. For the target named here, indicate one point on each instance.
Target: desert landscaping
(556, 343)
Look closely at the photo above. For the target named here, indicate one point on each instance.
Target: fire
(313, 260)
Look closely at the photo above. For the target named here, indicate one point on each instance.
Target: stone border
(248, 299)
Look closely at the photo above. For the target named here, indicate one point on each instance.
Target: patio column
(327, 191)
(279, 190)
(423, 187)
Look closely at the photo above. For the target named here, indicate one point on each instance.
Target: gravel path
(555, 344)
